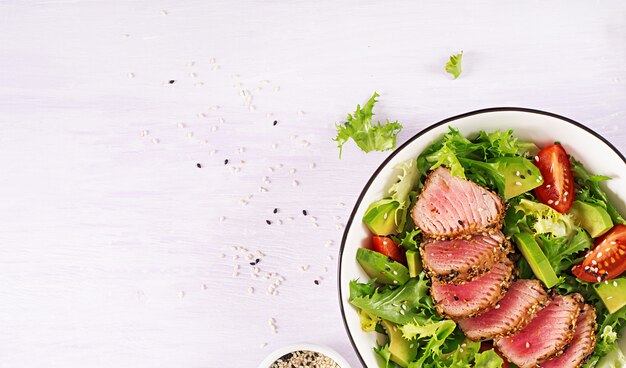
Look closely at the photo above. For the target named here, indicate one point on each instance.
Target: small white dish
(597, 154)
(276, 354)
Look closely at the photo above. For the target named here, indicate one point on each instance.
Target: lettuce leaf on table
(368, 136)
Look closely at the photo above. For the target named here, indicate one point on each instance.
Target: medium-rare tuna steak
(518, 307)
(452, 207)
(467, 300)
(459, 261)
(582, 345)
(546, 336)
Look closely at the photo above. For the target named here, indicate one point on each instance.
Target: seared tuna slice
(475, 297)
(512, 313)
(452, 207)
(583, 343)
(462, 260)
(546, 336)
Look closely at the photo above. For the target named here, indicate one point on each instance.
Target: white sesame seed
(517, 173)
(200, 115)
(330, 258)
(337, 218)
(548, 186)
(293, 136)
(325, 269)
(304, 268)
(263, 345)
(131, 75)
(252, 108)
(269, 115)
(527, 344)
(480, 209)
(328, 243)
(312, 165)
(212, 152)
(249, 256)
(403, 306)
(222, 255)
(190, 134)
(180, 125)
(164, 12)
(222, 218)
(599, 279)
(556, 203)
(295, 183)
(262, 190)
(212, 61)
(236, 267)
(613, 243)
(280, 166)
(276, 89)
(300, 112)
(274, 146)
(593, 262)
(615, 283)
(204, 287)
(193, 75)
(280, 222)
(341, 204)
(181, 294)
(221, 120)
(144, 133)
(497, 306)
(518, 183)
(540, 177)
(292, 171)
(155, 140)
(460, 350)
(537, 158)
(566, 193)
(550, 201)
(235, 274)
(401, 311)
(338, 226)
(395, 272)
(609, 297)
(607, 249)
(606, 282)
(235, 257)
(599, 255)
(250, 290)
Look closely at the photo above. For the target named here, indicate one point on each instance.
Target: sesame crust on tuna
(594, 335)
(503, 288)
(456, 277)
(563, 344)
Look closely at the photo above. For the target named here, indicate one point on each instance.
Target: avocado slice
(512, 175)
(414, 262)
(520, 175)
(536, 259)
(384, 269)
(380, 217)
(399, 347)
(613, 294)
(592, 218)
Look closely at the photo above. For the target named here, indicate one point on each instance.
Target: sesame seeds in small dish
(304, 355)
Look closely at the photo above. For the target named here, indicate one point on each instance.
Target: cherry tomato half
(607, 260)
(557, 190)
(388, 247)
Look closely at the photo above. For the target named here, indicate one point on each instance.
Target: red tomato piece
(557, 190)
(388, 247)
(607, 260)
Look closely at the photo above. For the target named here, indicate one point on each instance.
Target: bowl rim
(408, 142)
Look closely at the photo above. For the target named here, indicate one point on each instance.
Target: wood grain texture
(110, 244)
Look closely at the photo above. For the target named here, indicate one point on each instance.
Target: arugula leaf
(588, 190)
(384, 356)
(488, 359)
(561, 252)
(368, 136)
(387, 303)
(358, 289)
(408, 240)
(454, 66)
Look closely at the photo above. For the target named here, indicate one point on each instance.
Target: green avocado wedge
(399, 347)
(592, 218)
(385, 270)
(613, 294)
(536, 259)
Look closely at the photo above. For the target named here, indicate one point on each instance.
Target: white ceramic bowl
(267, 362)
(594, 151)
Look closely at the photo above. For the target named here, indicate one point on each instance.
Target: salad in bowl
(476, 246)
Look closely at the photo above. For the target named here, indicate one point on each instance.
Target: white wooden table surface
(111, 242)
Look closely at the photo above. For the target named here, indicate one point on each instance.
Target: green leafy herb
(542, 219)
(368, 136)
(454, 66)
(488, 359)
(384, 356)
(409, 239)
(359, 289)
(588, 190)
(561, 252)
(433, 336)
(405, 304)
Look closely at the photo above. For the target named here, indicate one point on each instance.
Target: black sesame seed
(522, 176)
(316, 282)
(304, 212)
(268, 222)
(275, 122)
(456, 297)
(275, 210)
(252, 263)
(529, 172)
(226, 162)
(172, 81)
(199, 165)
(256, 261)
(460, 222)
